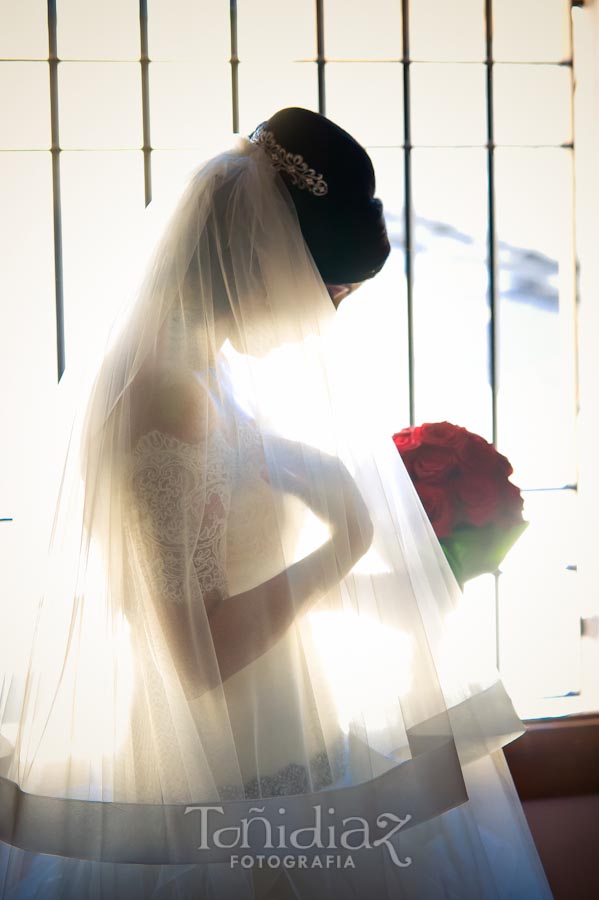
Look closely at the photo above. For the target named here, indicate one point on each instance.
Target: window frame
(586, 141)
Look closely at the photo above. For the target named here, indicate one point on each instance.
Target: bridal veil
(225, 453)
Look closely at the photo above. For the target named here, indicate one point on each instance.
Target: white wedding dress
(363, 705)
(479, 850)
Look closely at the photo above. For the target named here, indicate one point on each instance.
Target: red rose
(408, 442)
(438, 507)
(444, 433)
(480, 496)
(504, 465)
(511, 504)
(433, 462)
(480, 455)
(408, 439)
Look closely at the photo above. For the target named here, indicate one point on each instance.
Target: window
(467, 111)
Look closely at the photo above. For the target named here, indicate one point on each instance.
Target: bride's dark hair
(344, 228)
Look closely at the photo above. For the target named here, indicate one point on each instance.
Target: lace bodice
(182, 494)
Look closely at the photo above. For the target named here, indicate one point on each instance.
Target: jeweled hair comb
(293, 164)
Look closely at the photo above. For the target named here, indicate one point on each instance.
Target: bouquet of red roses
(463, 484)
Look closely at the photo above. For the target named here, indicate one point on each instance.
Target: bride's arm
(244, 626)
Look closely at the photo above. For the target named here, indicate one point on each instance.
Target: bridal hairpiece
(292, 163)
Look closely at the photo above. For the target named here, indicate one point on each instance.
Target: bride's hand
(325, 485)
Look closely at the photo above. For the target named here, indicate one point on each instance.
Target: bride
(243, 680)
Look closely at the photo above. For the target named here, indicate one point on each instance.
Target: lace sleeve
(179, 513)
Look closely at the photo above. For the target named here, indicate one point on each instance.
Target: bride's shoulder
(172, 402)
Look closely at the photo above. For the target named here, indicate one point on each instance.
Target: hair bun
(344, 228)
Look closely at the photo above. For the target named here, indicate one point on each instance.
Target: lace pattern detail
(181, 493)
(320, 773)
(293, 164)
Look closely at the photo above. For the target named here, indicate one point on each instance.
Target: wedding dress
(122, 775)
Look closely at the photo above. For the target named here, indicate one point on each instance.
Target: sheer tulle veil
(119, 714)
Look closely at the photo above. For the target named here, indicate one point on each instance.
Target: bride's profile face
(338, 292)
